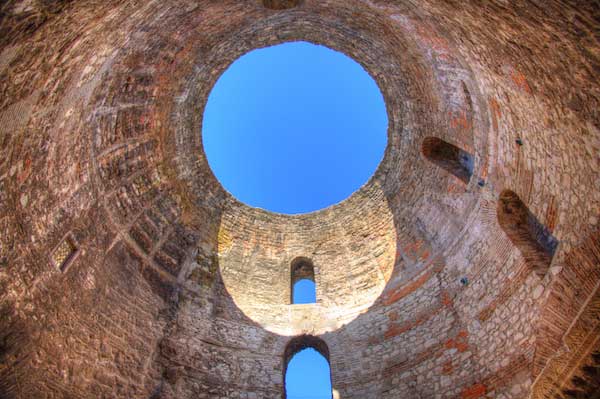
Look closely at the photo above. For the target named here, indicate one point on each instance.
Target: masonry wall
(180, 291)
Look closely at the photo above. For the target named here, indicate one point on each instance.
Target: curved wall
(179, 291)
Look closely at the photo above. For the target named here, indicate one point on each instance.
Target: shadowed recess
(534, 240)
(449, 157)
(294, 128)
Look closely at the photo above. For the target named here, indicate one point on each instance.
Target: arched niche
(449, 157)
(532, 238)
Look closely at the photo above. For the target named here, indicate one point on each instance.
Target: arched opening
(449, 157)
(303, 287)
(280, 4)
(534, 240)
(307, 373)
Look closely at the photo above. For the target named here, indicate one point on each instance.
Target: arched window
(534, 240)
(280, 4)
(306, 369)
(303, 287)
(448, 156)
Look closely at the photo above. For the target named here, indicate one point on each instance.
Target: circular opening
(294, 128)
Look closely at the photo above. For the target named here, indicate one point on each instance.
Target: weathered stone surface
(179, 291)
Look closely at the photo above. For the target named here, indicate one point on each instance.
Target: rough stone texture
(179, 291)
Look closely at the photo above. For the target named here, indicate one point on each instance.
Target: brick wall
(180, 291)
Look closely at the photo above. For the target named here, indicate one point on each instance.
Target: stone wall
(177, 290)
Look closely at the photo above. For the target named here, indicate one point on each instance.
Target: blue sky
(308, 376)
(304, 291)
(294, 128)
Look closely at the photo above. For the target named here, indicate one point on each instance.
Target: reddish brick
(446, 299)
(447, 368)
(521, 81)
(474, 391)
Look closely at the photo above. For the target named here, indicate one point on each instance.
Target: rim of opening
(373, 176)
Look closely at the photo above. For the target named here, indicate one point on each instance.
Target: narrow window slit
(453, 159)
(303, 287)
(532, 238)
(65, 253)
